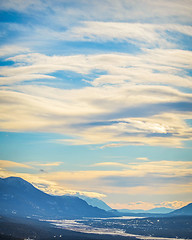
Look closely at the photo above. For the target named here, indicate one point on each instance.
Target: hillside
(185, 211)
(95, 202)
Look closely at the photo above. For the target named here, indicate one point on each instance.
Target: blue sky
(96, 98)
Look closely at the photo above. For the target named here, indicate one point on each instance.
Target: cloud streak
(136, 33)
(66, 111)
(5, 164)
(140, 101)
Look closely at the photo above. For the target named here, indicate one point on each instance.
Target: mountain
(19, 197)
(184, 211)
(95, 202)
(160, 210)
(131, 211)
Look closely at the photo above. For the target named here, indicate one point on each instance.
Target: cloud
(119, 10)
(136, 33)
(48, 186)
(84, 193)
(121, 99)
(20, 78)
(156, 66)
(53, 164)
(5, 164)
(72, 112)
(11, 50)
(143, 158)
(146, 174)
(109, 164)
(149, 180)
(23, 6)
(174, 204)
(65, 18)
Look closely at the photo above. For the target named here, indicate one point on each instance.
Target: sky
(96, 99)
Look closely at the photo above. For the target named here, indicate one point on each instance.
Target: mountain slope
(95, 202)
(21, 198)
(185, 211)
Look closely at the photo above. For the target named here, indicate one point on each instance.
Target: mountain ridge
(184, 211)
(159, 210)
(95, 202)
(19, 197)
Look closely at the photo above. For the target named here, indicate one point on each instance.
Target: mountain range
(95, 202)
(160, 210)
(19, 197)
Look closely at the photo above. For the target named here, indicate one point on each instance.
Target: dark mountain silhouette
(184, 211)
(19, 197)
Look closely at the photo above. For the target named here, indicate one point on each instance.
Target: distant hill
(161, 210)
(95, 202)
(131, 211)
(184, 211)
(19, 197)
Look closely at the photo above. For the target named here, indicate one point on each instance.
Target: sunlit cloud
(65, 111)
(113, 164)
(174, 204)
(52, 164)
(157, 66)
(10, 50)
(5, 164)
(48, 186)
(142, 158)
(136, 33)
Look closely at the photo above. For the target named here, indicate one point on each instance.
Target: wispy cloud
(172, 11)
(156, 66)
(136, 33)
(143, 158)
(137, 93)
(49, 186)
(5, 164)
(11, 50)
(109, 164)
(52, 164)
(64, 111)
